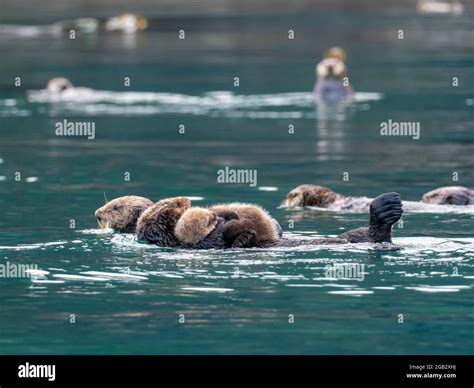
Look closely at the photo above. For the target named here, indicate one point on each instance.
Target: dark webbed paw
(245, 239)
(386, 208)
(459, 199)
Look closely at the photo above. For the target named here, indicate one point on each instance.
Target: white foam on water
(433, 289)
(97, 231)
(43, 281)
(384, 288)
(80, 278)
(166, 274)
(208, 289)
(24, 247)
(350, 292)
(37, 272)
(217, 103)
(113, 275)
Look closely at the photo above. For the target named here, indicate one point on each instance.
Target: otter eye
(116, 207)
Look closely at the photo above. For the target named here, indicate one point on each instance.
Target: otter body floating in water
(453, 7)
(157, 225)
(62, 87)
(319, 196)
(241, 225)
(331, 73)
(127, 23)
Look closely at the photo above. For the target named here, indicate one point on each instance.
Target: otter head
(58, 85)
(331, 69)
(311, 195)
(157, 224)
(195, 224)
(128, 23)
(451, 195)
(122, 213)
(335, 52)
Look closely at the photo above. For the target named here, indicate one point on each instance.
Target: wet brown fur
(122, 213)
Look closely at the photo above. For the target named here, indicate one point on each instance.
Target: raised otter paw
(386, 208)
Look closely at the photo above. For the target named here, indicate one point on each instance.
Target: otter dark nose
(98, 218)
(330, 68)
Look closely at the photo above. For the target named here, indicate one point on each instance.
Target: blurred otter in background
(453, 7)
(332, 84)
(60, 86)
(127, 23)
(319, 196)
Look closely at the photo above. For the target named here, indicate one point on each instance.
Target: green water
(127, 297)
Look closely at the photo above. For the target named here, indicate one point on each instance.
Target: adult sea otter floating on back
(320, 196)
(157, 224)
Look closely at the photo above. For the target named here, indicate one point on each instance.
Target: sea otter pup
(247, 225)
(172, 222)
(331, 74)
(122, 213)
(157, 225)
(314, 195)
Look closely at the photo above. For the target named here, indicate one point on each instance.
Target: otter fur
(250, 225)
(331, 74)
(452, 195)
(158, 225)
(319, 196)
(122, 213)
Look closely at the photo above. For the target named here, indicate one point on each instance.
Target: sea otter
(127, 23)
(247, 225)
(331, 73)
(320, 196)
(157, 225)
(453, 7)
(63, 88)
(452, 195)
(122, 213)
(58, 85)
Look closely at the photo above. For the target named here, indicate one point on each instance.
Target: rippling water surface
(127, 297)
